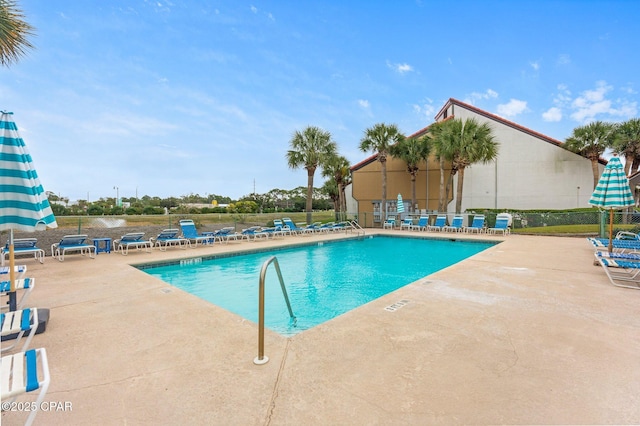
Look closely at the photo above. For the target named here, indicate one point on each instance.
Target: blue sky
(167, 98)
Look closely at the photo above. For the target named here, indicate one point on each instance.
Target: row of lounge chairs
(622, 265)
(22, 370)
(478, 224)
(185, 237)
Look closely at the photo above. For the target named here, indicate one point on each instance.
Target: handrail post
(261, 358)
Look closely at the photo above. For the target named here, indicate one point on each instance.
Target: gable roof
(453, 102)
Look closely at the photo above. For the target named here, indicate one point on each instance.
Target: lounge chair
(190, 232)
(621, 272)
(72, 243)
(170, 238)
(21, 270)
(293, 228)
(502, 225)
(441, 222)
(23, 246)
(389, 223)
(226, 234)
(253, 233)
(421, 225)
(24, 285)
(15, 324)
(132, 239)
(407, 223)
(456, 224)
(477, 225)
(21, 374)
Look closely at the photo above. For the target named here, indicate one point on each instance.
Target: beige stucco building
(532, 171)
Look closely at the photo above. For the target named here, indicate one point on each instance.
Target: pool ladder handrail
(356, 226)
(261, 358)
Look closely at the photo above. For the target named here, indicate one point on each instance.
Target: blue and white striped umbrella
(400, 204)
(612, 192)
(23, 203)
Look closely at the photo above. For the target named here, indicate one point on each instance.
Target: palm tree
(310, 149)
(441, 140)
(379, 139)
(627, 143)
(14, 31)
(337, 169)
(591, 141)
(473, 143)
(412, 151)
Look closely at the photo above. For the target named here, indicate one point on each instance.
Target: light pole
(117, 195)
(578, 196)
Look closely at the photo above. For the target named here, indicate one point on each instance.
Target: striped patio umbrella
(400, 204)
(23, 203)
(612, 192)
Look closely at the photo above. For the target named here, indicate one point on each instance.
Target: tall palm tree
(379, 139)
(14, 33)
(337, 169)
(412, 151)
(441, 140)
(473, 143)
(310, 148)
(627, 143)
(591, 141)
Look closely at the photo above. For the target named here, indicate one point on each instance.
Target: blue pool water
(323, 280)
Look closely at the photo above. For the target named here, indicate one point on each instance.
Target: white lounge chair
(22, 246)
(72, 243)
(439, 224)
(132, 239)
(477, 225)
(622, 270)
(21, 374)
(17, 324)
(170, 238)
(456, 224)
(24, 285)
(190, 232)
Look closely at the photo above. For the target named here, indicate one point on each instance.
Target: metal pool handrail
(261, 358)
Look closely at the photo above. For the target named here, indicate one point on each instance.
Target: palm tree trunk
(383, 206)
(310, 174)
(441, 195)
(459, 190)
(340, 201)
(413, 190)
(596, 172)
(635, 165)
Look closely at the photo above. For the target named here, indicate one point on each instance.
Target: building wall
(530, 173)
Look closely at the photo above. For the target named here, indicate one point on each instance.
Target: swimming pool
(323, 279)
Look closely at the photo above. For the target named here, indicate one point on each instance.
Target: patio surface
(526, 332)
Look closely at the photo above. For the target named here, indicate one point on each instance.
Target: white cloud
(593, 103)
(476, 96)
(254, 9)
(552, 114)
(564, 59)
(512, 108)
(363, 103)
(535, 65)
(425, 109)
(400, 68)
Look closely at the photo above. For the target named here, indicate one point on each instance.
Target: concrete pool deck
(526, 332)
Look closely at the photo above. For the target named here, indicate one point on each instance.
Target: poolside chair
(21, 374)
(456, 224)
(293, 228)
(502, 225)
(15, 324)
(441, 222)
(23, 246)
(621, 272)
(407, 223)
(72, 243)
(132, 239)
(226, 234)
(23, 285)
(421, 225)
(626, 235)
(477, 225)
(20, 270)
(389, 223)
(170, 238)
(253, 233)
(190, 232)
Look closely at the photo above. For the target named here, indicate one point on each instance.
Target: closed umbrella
(23, 203)
(612, 192)
(400, 204)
